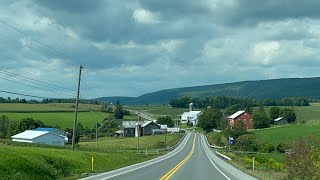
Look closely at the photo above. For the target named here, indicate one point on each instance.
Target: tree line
(222, 102)
(46, 101)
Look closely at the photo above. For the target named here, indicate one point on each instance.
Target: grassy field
(286, 134)
(51, 107)
(49, 163)
(62, 119)
(150, 142)
(311, 114)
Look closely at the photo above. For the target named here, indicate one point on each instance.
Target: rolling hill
(274, 88)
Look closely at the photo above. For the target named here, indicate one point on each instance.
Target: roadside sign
(231, 140)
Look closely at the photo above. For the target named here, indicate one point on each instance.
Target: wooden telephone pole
(76, 110)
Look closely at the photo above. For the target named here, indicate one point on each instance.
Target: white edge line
(212, 161)
(97, 176)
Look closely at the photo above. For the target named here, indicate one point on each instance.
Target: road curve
(192, 159)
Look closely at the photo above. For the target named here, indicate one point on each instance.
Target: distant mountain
(275, 89)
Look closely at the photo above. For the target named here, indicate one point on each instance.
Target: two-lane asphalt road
(192, 159)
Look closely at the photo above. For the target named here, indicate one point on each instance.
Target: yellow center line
(177, 167)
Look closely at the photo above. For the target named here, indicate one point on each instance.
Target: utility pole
(76, 110)
(138, 130)
(97, 135)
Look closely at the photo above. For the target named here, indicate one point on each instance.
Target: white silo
(191, 107)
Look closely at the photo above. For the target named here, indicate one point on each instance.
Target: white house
(40, 137)
(191, 116)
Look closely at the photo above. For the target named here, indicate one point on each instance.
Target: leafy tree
(209, 119)
(13, 129)
(261, 120)
(288, 114)
(246, 141)
(118, 112)
(303, 161)
(238, 129)
(165, 120)
(29, 123)
(233, 109)
(4, 126)
(109, 110)
(274, 113)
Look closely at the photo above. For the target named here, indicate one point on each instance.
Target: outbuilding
(39, 137)
(280, 121)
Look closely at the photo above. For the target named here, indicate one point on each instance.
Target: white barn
(40, 137)
(191, 116)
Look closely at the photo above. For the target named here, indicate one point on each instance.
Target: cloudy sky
(132, 47)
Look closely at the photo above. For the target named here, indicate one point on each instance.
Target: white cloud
(145, 16)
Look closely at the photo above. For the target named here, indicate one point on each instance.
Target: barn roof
(32, 134)
(235, 115)
(29, 134)
(278, 119)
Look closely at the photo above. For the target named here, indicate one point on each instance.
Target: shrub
(268, 148)
(281, 148)
(274, 165)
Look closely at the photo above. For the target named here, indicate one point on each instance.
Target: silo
(191, 106)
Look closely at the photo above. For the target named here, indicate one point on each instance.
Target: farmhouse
(145, 128)
(40, 137)
(191, 116)
(241, 116)
(280, 121)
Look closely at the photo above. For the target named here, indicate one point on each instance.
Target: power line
(91, 110)
(34, 86)
(27, 95)
(35, 81)
(39, 42)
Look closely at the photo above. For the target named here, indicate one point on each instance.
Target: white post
(146, 151)
(253, 163)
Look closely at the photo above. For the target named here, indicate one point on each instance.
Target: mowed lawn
(150, 142)
(286, 134)
(62, 119)
(49, 163)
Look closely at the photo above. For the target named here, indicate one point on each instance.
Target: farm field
(62, 119)
(49, 163)
(51, 107)
(286, 134)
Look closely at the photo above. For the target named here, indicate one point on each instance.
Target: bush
(268, 148)
(274, 165)
(281, 148)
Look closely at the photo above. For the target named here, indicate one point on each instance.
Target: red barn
(241, 116)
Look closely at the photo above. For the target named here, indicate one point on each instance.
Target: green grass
(262, 169)
(63, 119)
(49, 163)
(286, 134)
(150, 142)
(51, 107)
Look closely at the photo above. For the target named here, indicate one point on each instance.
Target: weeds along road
(192, 159)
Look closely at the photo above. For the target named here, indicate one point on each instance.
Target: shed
(280, 121)
(40, 137)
